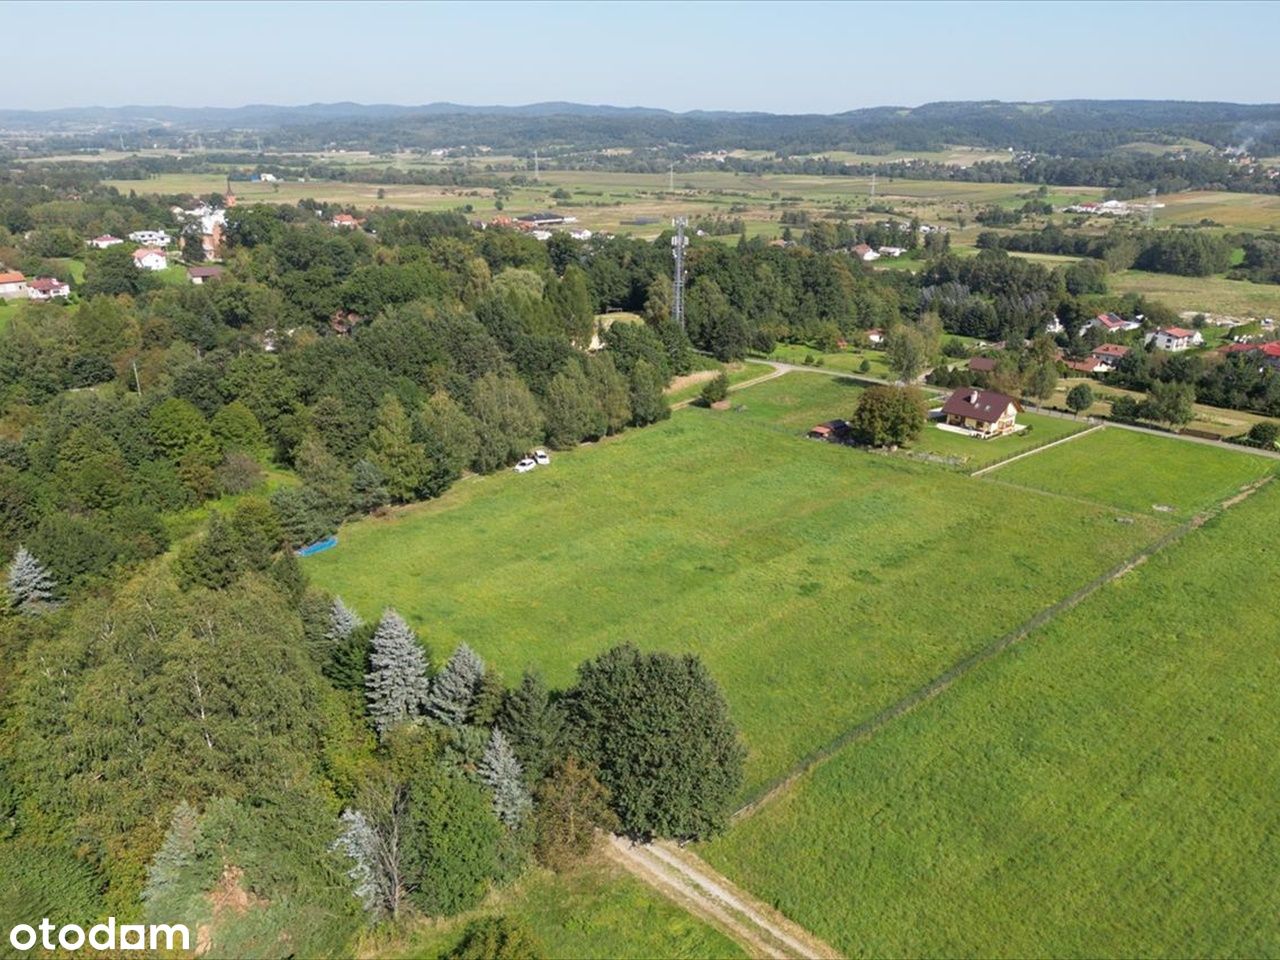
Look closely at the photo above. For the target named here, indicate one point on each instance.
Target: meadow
(817, 582)
(1105, 788)
(1210, 295)
(1139, 472)
(595, 911)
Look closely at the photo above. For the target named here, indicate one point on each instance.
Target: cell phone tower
(678, 243)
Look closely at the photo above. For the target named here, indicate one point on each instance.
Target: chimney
(973, 397)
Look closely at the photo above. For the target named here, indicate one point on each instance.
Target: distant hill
(1066, 127)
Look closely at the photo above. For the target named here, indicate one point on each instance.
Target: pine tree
(174, 855)
(500, 772)
(397, 682)
(534, 726)
(31, 588)
(454, 689)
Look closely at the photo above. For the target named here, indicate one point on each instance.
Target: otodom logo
(101, 936)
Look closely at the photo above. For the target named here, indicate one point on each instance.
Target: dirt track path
(690, 882)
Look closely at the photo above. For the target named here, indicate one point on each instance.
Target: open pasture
(1247, 210)
(817, 582)
(1209, 295)
(1105, 788)
(1139, 472)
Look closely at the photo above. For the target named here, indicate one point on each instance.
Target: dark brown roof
(982, 364)
(206, 272)
(984, 405)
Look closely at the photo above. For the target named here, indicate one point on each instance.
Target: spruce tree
(454, 689)
(534, 726)
(31, 588)
(175, 853)
(398, 679)
(343, 621)
(359, 841)
(500, 771)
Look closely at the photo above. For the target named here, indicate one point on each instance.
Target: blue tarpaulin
(318, 547)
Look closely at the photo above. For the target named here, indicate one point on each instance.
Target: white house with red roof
(344, 221)
(864, 253)
(104, 241)
(150, 258)
(47, 288)
(13, 285)
(1175, 339)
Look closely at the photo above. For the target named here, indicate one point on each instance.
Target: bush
(497, 938)
(238, 473)
(1125, 409)
(864, 366)
(716, 389)
(1264, 434)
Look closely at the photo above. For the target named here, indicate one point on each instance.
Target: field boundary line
(692, 884)
(1034, 450)
(868, 728)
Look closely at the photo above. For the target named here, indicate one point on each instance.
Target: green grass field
(1211, 295)
(1136, 471)
(817, 582)
(846, 361)
(971, 453)
(597, 911)
(741, 372)
(1106, 788)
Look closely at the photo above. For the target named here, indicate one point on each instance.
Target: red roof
(1180, 332)
(1110, 350)
(986, 406)
(1269, 349)
(861, 249)
(12, 277)
(143, 251)
(1084, 366)
(46, 284)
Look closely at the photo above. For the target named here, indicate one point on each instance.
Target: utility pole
(1151, 206)
(671, 179)
(535, 166)
(678, 243)
(873, 186)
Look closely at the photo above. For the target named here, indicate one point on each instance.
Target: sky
(775, 57)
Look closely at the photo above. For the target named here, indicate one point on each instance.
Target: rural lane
(692, 884)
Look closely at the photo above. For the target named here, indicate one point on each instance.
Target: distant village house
(13, 285)
(1175, 339)
(47, 288)
(150, 258)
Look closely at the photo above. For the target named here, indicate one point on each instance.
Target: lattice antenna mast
(671, 179)
(678, 243)
(873, 186)
(1151, 206)
(535, 166)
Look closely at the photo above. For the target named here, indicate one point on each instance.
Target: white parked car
(541, 457)
(525, 465)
